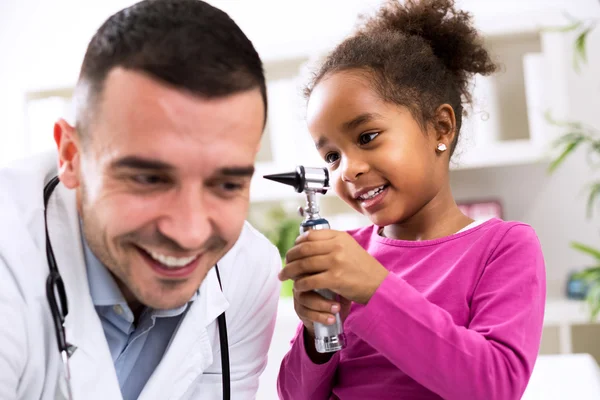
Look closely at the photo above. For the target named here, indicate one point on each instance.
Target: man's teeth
(172, 262)
(372, 193)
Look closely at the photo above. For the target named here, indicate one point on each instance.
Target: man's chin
(167, 298)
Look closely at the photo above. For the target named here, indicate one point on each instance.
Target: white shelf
(562, 315)
(562, 311)
(514, 152)
(517, 22)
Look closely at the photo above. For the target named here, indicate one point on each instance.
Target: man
(153, 192)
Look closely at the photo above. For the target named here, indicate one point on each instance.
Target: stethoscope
(59, 309)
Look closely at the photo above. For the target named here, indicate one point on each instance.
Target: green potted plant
(577, 135)
(282, 230)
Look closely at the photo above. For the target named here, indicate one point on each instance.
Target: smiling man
(169, 292)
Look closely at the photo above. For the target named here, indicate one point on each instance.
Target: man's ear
(445, 125)
(68, 146)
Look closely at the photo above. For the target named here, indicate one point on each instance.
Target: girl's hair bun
(449, 32)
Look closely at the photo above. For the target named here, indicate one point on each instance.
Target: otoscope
(313, 181)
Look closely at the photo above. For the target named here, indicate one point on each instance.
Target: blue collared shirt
(136, 349)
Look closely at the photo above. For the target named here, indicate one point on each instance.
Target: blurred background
(508, 163)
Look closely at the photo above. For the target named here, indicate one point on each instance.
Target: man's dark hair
(188, 44)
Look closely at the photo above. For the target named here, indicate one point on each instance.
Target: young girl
(435, 305)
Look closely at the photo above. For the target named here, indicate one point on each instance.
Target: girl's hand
(329, 259)
(311, 307)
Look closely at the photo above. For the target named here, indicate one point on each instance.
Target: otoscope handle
(328, 338)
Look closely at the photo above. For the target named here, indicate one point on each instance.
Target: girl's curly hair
(420, 54)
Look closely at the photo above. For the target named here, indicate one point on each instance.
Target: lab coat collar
(91, 363)
(190, 351)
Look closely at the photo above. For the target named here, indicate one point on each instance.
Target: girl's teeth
(371, 193)
(171, 262)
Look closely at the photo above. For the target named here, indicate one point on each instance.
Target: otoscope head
(295, 178)
(304, 178)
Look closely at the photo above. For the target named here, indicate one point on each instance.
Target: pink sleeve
(493, 357)
(299, 378)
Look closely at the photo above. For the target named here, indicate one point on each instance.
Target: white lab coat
(30, 364)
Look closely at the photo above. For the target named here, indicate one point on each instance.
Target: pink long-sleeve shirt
(457, 318)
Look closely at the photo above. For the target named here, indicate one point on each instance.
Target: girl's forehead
(342, 96)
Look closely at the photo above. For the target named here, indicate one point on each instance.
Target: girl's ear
(445, 125)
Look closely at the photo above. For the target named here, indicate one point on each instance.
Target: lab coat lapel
(191, 350)
(92, 369)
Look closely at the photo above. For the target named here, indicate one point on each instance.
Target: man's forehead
(121, 84)
(134, 100)
(153, 110)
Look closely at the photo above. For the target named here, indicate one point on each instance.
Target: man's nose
(187, 220)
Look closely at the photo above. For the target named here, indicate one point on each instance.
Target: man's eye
(144, 179)
(231, 186)
(365, 138)
(331, 157)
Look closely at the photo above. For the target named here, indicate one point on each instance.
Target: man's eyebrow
(236, 171)
(359, 120)
(136, 162)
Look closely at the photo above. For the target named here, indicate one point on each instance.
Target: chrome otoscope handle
(328, 338)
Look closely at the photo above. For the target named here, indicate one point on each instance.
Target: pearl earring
(441, 147)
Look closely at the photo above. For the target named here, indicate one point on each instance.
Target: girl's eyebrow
(359, 120)
(351, 125)
(321, 142)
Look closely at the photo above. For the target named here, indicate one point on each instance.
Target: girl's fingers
(311, 308)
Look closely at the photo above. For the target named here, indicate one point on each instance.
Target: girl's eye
(365, 138)
(331, 157)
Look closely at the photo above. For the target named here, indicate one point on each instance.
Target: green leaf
(593, 299)
(580, 55)
(594, 192)
(569, 148)
(571, 137)
(565, 124)
(287, 288)
(565, 28)
(570, 17)
(287, 231)
(589, 275)
(586, 249)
